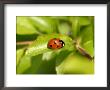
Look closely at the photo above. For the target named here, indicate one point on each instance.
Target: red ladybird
(55, 43)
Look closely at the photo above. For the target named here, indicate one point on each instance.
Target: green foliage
(24, 26)
(64, 28)
(37, 58)
(75, 63)
(44, 24)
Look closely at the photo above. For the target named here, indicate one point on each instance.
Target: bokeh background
(33, 34)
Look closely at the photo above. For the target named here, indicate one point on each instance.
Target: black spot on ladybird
(55, 43)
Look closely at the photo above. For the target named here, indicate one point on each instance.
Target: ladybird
(55, 43)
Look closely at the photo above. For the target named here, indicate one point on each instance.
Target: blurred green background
(33, 34)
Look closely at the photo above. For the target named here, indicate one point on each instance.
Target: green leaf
(77, 23)
(75, 26)
(40, 44)
(20, 47)
(41, 66)
(60, 18)
(87, 34)
(49, 55)
(61, 56)
(19, 54)
(37, 65)
(64, 28)
(75, 64)
(87, 37)
(24, 26)
(92, 23)
(36, 62)
(26, 37)
(91, 18)
(44, 24)
(89, 47)
(24, 64)
(84, 20)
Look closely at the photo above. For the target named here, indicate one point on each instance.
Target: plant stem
(24, 43)
(81, 49)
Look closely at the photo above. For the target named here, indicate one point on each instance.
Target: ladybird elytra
(55, 43)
